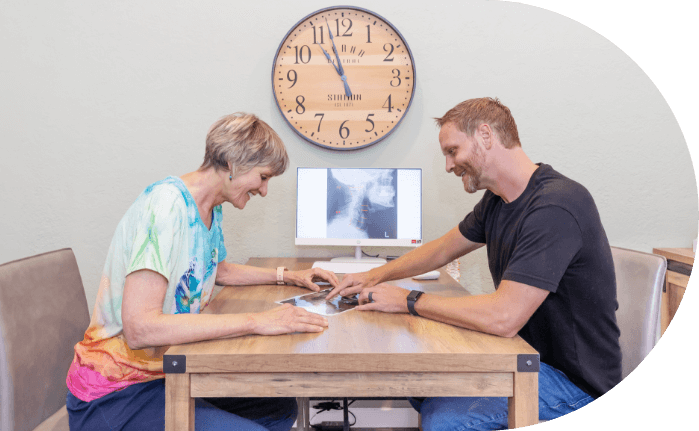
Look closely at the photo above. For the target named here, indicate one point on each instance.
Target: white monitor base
(358, 258)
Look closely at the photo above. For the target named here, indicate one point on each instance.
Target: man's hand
(286, 319)
(384, 297)
(352, 283)
(306, 278)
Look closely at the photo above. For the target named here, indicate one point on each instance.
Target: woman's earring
(230, 177)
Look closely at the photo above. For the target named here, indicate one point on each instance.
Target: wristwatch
(280, 275)
(412, 299)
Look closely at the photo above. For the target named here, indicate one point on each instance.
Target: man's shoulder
(553, 188)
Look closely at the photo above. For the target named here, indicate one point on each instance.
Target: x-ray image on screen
(362, 203)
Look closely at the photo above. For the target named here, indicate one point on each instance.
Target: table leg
(179, 406)
(523, 407)
(345, 426)
(302, 420)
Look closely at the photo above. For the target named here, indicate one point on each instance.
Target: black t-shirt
(551, 237)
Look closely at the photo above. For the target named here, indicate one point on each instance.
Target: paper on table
(315, 302)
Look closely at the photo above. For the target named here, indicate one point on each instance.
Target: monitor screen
(359, 206)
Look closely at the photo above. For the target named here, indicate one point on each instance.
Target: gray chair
(43, 314)
(640, 278)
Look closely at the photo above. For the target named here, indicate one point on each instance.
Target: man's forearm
(480, 313)
(503, 312)
(418, 261)
(428, 257)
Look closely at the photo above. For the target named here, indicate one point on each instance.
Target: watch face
(343, 78)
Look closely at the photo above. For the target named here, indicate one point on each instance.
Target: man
(549, 258)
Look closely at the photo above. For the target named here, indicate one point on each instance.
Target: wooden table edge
(337, 362)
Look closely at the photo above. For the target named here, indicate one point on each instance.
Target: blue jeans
(557, 396)
(141, 407)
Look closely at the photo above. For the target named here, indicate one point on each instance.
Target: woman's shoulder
(162, 198)
(167, 190)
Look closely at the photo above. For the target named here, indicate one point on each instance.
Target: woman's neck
(206, 189)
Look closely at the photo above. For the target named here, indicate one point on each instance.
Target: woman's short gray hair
(244, 141)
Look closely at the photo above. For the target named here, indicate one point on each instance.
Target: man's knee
(459, 414)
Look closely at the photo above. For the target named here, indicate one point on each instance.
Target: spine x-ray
(362, 203)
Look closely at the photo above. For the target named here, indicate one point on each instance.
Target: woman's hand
(307, 278)
(286, 319)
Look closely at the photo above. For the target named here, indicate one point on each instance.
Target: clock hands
(340, 71)
(330, 59)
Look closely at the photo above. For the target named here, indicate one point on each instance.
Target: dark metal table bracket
(528, 363)
(174, 364)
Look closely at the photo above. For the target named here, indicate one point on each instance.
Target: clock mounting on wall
(343, 78)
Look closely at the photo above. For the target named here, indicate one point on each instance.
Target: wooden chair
(43, 314)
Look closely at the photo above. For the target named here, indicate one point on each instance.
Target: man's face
(464, 156)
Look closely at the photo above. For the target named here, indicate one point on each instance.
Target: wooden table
(360, 354)
(679, 266)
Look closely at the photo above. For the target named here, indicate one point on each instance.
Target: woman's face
(244, 186)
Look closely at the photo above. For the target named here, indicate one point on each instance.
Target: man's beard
(474, 169)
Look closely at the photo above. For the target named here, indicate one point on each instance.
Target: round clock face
(343, 78)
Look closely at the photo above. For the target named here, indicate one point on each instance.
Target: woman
(165, 257)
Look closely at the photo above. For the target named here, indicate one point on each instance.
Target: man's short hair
(244, 141)
(468, 115)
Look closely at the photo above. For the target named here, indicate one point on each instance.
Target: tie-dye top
(162, 232)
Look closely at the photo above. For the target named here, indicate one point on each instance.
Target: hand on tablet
(351, 284)
(307, 278)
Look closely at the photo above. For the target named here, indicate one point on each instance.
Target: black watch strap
(413, 296)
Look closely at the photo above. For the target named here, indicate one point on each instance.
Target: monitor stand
(358, 258)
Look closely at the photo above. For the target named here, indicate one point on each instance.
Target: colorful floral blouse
(161, 232)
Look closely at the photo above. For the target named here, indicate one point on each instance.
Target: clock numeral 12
(337, 24)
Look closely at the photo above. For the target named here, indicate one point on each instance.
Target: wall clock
(343, 78)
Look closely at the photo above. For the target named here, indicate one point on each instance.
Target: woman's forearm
(169, 329)
(231, 274)
(164, 330)
(145, 325)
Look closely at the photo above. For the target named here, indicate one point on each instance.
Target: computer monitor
(359, 207)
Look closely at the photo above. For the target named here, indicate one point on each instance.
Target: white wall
(99, 99)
